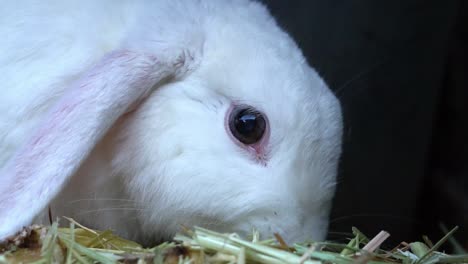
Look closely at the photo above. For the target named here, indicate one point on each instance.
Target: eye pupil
(247, 125)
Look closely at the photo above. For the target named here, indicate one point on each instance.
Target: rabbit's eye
(247, 124)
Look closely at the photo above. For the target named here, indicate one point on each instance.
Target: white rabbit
(239, 133)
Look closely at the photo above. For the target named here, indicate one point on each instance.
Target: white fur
(171, 162)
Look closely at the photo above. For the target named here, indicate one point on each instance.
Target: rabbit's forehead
(262, 78)
(260, 64)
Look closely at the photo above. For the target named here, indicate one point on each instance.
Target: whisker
(112, 209)
(360, 75)
(407, 46)
(342, 218)
(101, 199)
(346, 234)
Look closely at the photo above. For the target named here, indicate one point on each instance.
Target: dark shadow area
(400, 70)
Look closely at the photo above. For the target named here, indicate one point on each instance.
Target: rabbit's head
(250, 139)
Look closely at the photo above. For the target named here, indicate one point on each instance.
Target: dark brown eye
(247, 124)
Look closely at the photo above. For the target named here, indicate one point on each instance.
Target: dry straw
(79, 244)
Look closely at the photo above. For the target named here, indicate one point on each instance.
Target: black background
(400, 70)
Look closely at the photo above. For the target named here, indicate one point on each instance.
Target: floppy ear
(89, 107)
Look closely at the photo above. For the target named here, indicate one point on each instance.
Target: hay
(79, 244)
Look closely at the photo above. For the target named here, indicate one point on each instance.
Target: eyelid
(251, 110)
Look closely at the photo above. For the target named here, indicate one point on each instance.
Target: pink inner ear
(48, 128)
(35, 175)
